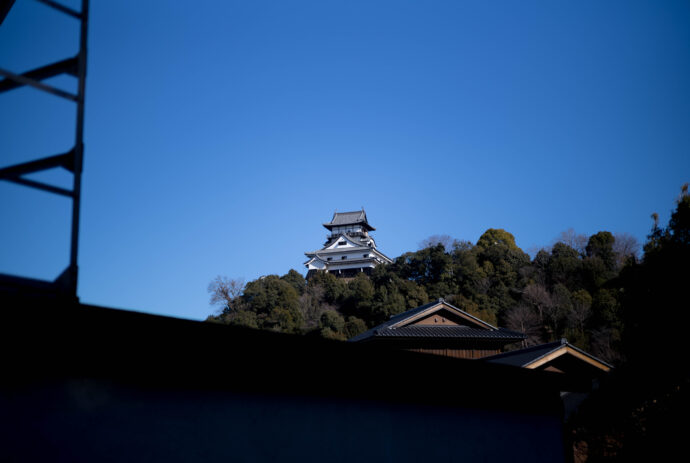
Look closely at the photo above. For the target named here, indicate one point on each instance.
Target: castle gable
(343, 242)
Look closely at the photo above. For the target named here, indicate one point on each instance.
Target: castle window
(365, 255)
(344, 257)
(342, 243)
(329, 258)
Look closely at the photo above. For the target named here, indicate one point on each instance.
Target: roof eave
(329, 226)
(467, 338)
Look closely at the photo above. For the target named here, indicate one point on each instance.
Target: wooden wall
(460, 353)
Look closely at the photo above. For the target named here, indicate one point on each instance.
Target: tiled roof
(349, 218)
(341, 262)
(524, 357)
(388, 329)
(344, 250)
(356, 249)
(431, 331)
(409, 313)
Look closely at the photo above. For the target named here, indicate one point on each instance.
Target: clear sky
(221, 134)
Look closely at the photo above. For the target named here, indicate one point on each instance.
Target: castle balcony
(350, 234)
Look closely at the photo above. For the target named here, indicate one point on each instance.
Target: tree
(538, 296)
(679, 224)
(312, 303)
(595, 273)
(634, 415)
(241, 317)
(283, 320)
(625, 247)
(387, 301)
(522, 318)
(605, 307)
(564, 266)
(538, 271)
(578, 316)
(577, 241)
(497, 237)
(333, 288)
(604, 344)
(430, 267)
(601, 245)
(467, 274)
(358, 297)
(353, 327)
(296, 280)
(501, 262)
(654, 301)
(434, 240)
(225, 290)
(332, 325)
(557, 311)
(275, 303)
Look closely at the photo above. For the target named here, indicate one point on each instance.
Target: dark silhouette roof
(5, 8)
(349, 218)
(48, 339)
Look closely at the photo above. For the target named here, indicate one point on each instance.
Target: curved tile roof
(398, 327)
(349, 218)
(430, 331)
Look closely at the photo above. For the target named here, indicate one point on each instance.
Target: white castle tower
(349, 249)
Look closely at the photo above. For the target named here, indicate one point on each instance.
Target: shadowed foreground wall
(85, 420)
(92, 384)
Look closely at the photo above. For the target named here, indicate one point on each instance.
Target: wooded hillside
(576, 288)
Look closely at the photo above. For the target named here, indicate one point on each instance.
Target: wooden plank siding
(459, 353)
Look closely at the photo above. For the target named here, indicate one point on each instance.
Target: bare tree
(538, 297)
(225, 290)
(577, 241)
(625, 246)
(581, 309)
(602, 345)
(522, 318)
(556, 313)
(534, 250)
(433, 240)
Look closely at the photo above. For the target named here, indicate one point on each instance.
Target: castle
(349, 248)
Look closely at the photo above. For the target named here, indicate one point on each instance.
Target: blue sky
(220, 135)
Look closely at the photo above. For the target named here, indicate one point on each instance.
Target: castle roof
(357, 247)
(349, 218)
